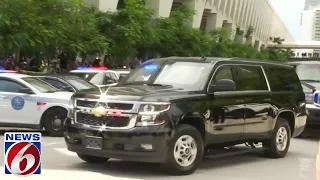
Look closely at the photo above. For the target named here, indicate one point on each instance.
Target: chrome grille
(89, 104)
(108, 121)
(111, 105)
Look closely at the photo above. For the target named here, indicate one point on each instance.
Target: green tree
(177, 38)
(50, 26)
(128, 29)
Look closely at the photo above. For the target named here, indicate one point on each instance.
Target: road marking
(52, 143)
(65, 151)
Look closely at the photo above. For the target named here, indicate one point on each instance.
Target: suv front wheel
(185, 151)
(278, 145)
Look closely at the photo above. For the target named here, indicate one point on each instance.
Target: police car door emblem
(17, 103)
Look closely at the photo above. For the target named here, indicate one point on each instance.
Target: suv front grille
(92, 104)
(89, 104)
(108, 121)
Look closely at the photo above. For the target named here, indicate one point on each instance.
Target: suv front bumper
(313, 114)
(144, 144)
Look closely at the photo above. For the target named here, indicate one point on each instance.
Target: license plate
(93, 142)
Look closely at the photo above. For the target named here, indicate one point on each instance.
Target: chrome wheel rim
(57, 123)
(282, 139)
(185, 150)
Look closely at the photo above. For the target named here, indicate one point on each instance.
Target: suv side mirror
(26, 91)
(223, 85)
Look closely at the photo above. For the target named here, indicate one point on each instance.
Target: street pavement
(59, 163)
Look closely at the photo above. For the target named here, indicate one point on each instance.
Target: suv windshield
(180, 75)
(39, 85)
(308, 72)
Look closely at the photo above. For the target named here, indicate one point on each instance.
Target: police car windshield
(81, 84)
(39, 85)
(180, 75)
(308, 72)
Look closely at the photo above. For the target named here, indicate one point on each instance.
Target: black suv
(309, 74)
(172, 110)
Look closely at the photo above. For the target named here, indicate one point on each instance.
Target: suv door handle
(240, 101)
(2, 97)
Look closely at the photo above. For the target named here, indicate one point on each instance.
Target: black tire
(272, 151)
(48, 121)
(171, 166)
(92, 159)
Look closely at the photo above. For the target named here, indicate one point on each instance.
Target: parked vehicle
(28, 102)
(122, 73)
(67, 82)
(309, 74)
(99, 76)
(174, 110)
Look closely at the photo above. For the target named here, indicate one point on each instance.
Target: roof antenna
(203, 58)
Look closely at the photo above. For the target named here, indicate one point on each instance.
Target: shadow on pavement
(136, 170)
(311, 133)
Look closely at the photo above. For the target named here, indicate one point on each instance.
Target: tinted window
(250, 78)
(9, 86)
(224, 72)
(54, 82)
(283, 78)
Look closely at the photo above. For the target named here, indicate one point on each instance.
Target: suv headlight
(149, 114)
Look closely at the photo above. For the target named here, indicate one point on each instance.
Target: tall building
(310, 28)
(310, 24)
(243, 15)
(316, 25)
(310, 3)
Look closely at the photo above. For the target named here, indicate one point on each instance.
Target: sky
(290, 13)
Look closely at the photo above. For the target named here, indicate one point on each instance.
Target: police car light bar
(91, 68)
(7, 71)
(316, 98)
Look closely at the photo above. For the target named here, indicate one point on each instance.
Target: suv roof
(217, 59)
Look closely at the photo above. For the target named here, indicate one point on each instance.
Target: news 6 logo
(22, 153)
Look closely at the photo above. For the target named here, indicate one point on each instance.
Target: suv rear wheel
(278, 145)
(185, 151)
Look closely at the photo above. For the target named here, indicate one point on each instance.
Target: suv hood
(139, 93)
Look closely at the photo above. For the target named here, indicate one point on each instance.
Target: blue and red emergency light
(2, 70)
(91, 68)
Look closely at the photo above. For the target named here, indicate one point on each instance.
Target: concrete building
(310, 29)
(230, 14)
(310, 3)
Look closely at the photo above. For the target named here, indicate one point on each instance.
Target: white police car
(28, 102)
(99, 76)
